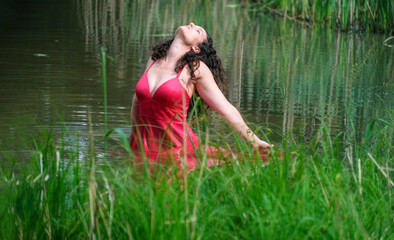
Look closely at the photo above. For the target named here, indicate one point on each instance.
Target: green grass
(317, 190)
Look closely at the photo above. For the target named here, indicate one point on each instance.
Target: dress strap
(179, 73)
(150, 66)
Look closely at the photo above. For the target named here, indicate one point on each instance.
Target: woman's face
(192, 34)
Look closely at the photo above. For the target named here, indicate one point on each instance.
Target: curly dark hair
(207, 55)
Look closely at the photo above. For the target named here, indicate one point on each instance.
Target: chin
(182, 32)
(177, 31)
(181, 29)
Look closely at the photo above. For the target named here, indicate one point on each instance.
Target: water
(282, 75)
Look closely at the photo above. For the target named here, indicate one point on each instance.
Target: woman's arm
(211, 94)
(134, 114)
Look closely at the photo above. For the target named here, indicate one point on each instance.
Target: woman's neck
(176, 51)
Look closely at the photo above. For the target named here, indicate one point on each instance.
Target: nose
(192, 24)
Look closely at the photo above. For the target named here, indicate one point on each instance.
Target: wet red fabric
(162, 133)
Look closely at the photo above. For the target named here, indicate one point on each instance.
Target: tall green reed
(369, 15)
(104, 72)
(308, 190)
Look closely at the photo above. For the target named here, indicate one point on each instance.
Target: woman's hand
(260, 145)
(263, 145)
(261, 148)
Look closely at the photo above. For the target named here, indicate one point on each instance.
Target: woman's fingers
(264, 144)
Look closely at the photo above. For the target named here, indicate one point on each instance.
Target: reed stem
(104, 69)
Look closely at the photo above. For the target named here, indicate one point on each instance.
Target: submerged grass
(316, 190)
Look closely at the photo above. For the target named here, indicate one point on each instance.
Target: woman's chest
(168, 93)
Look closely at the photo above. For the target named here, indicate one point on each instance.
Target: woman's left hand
(262, 148)
(263, 145)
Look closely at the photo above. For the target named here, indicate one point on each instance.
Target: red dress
(162, 133)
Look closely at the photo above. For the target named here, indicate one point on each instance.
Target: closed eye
(201, 31)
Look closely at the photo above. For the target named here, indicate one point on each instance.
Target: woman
(179, 68)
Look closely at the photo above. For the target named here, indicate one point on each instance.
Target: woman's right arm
(134, 114)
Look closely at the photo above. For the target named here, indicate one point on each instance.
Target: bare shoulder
(150, 61)
(203, 71)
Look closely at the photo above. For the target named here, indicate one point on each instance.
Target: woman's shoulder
(203, 70)
(149, 63)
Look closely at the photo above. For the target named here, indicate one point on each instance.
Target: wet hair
(207, 55)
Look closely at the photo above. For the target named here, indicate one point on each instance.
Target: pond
(283, 75)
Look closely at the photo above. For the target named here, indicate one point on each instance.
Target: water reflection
(281, 74)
